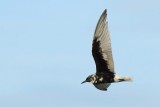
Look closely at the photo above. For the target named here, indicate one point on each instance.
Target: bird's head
(90, 78)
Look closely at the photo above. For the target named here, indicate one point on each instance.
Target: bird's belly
(102, 86)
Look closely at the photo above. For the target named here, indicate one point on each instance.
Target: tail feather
(127, 79)
(124, 78)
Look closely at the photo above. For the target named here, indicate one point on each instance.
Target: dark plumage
(102, 54)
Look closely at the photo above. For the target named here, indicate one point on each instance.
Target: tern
(102, 54)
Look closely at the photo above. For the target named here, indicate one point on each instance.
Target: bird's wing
(101, 47)
(102, 86)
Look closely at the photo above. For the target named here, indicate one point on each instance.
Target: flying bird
(102, 54)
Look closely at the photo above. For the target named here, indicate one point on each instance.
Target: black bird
(102, 54)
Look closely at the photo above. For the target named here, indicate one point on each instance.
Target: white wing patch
(102, 86)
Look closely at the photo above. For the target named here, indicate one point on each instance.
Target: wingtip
(104, 14)
(105, 11)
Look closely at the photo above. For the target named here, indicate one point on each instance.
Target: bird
(102, 54)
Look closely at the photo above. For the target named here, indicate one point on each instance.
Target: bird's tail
(127, 79)
(123, 78)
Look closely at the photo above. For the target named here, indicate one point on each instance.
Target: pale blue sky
(45, 53)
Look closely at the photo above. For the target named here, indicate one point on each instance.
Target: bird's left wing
(101, 47)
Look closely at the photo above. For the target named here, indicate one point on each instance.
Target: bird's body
(102, 54)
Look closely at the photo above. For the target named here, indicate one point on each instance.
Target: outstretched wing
(101, 47)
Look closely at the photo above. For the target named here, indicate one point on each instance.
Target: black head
(90, 78)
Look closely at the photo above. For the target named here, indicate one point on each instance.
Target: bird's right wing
(102, 86)
(101, 47)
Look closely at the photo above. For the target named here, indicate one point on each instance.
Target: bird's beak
(83, 82)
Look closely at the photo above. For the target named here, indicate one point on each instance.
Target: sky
(45, 53)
